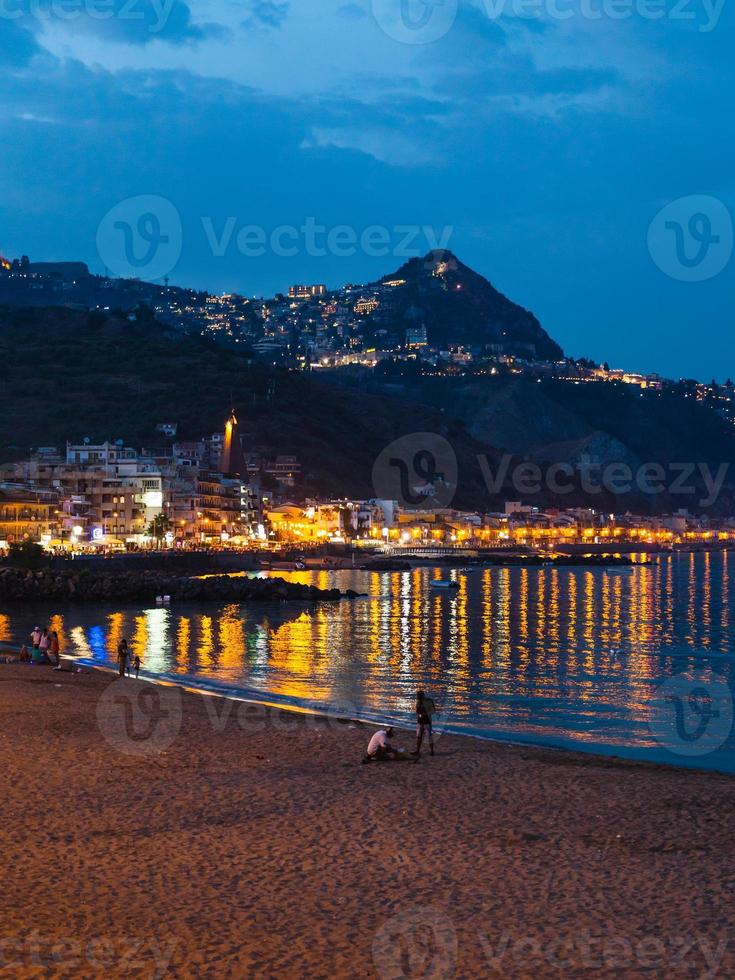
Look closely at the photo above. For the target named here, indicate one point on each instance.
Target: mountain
(460, 307)
(455, 305)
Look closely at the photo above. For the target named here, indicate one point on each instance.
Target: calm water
(569, 657)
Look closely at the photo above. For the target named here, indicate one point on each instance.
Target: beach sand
(241, 842)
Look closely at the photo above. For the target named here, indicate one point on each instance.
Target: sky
(578, 153)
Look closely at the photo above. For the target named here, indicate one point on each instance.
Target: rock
(19, 585)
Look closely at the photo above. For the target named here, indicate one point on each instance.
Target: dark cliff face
(459, 306)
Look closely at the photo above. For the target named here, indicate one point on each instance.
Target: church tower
(232, 462)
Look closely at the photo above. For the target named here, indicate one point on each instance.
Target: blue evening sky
(539, 139)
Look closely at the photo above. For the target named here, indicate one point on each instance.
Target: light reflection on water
(556, 655)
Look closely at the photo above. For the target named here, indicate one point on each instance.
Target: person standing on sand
(425, 709)
(122, 657)
(136, 665)
(45, 642)
(35, 637)
(54, 647)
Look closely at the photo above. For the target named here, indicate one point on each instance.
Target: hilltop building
(307, 292)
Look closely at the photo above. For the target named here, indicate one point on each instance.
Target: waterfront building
(27, 514)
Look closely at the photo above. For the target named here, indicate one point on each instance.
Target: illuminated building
(232, 461)
(364, 307)
(313, 523)
(307, 292)
(27, 515)
(416, 337)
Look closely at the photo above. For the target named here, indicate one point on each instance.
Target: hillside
(605, 424)
(459, 306)
(70, 374)
(552, 420)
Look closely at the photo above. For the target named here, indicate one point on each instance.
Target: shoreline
(263, 699)
(628, 755)
(257, 844)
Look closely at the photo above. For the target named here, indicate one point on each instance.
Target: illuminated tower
(232, 462)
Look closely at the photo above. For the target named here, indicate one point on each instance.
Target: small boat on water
(619, 570)
(443, 583)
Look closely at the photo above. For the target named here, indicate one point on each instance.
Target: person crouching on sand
(425, 709)
(379, 748)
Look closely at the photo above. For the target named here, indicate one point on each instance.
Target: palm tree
(158, 527)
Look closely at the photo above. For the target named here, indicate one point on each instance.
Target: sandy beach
(148, 832)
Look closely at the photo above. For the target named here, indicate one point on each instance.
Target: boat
(619, 569)
(443, 583)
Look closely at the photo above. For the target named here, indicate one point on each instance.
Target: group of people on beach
(380, 748)
(127, 662)
(44, 647)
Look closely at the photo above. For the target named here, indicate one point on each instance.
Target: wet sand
(208, 838)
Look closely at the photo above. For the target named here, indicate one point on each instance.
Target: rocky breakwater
(19, 585)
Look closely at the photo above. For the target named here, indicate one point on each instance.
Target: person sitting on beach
(379, 747)
(24, 654)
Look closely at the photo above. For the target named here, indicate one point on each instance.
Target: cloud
(133, 22)
(383, 144)
(548, 146)
(267, 13)
(352, 11)
(518, 76)
(17, 44)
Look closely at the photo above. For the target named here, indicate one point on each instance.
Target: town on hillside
(212, 494)
(434, 317)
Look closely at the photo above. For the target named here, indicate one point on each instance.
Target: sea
(634, 662)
